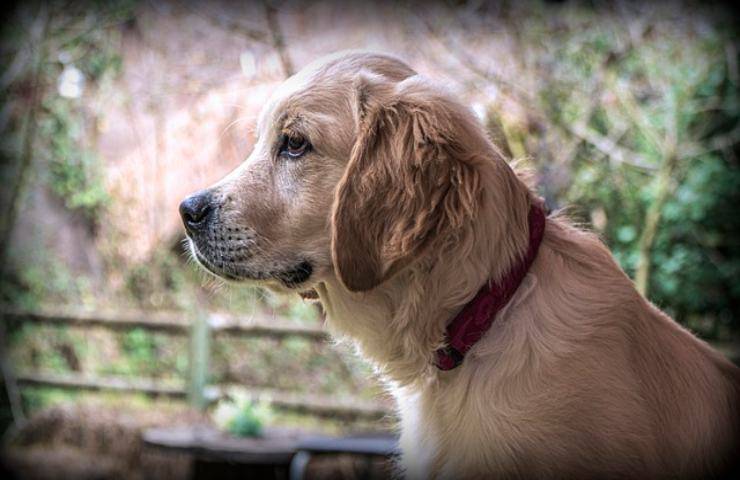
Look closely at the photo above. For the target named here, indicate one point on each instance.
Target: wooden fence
(200, 327)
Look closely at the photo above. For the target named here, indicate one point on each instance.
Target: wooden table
(281, 453)
(219, 455)
(384, 445)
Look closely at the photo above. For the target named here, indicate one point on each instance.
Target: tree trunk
(278, 40)
(38, 37)
(652, 221)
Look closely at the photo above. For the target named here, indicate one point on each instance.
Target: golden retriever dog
(514, 344)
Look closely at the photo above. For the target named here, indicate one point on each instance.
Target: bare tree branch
(652, 222)
(609, 148)
(278, 39)
(718, 142)
(232, 24)
(38, 34)
(606, 146)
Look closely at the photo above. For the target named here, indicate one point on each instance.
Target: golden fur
(404, 208)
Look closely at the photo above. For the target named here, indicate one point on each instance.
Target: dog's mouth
(291, 277)
(310, 295)
(294, 276)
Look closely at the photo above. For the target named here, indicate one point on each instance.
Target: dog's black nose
(195, 211)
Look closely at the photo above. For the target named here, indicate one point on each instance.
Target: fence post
(199, 356)
(9, 380)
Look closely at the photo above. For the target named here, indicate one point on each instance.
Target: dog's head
(359, 168)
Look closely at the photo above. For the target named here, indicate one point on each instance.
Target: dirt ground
(94, 442)
(91, 442)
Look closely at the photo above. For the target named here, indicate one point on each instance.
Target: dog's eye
(294, 147)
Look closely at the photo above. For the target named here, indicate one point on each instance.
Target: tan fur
(405, 209)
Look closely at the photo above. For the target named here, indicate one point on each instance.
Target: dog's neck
(400, 324)
(473, 322)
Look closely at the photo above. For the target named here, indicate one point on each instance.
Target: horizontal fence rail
(169, 322)
(81, 382)
(321, 405)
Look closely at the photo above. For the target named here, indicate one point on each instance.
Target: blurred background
(112, 112)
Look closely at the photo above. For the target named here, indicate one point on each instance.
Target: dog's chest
(418, 443)
(433, 443)
(446, 430)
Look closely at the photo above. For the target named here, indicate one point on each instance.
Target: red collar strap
(476, 317)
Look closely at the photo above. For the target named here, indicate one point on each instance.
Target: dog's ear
(410, 179)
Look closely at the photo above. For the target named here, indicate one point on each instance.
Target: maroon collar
(476, 317)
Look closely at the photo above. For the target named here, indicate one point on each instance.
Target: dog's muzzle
(227, 250)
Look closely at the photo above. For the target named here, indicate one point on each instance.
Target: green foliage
(78, 41)
(134, 353)
(247, 422)
(44, 282)
(162, 282)
(243, 416)
(141, 348)
(37, 398)
(44, 348)
(142, 353)
(696, 252)
(74, 172)
(663, 94)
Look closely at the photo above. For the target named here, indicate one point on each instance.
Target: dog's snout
(195, 211)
